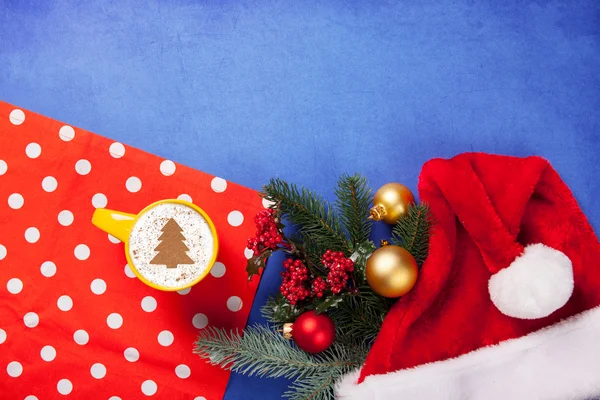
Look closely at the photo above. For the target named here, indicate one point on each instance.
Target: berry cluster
(294, 281)
(318, 287)
(297, 284)
(340, 269)
(267, 234)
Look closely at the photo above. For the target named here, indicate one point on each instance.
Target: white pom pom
(536, 284)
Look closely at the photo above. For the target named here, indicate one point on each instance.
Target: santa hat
(507, 303)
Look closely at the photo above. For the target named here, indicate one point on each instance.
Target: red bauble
(312, 333)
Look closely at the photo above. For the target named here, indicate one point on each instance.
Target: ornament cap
(377, 212)
(287, 330)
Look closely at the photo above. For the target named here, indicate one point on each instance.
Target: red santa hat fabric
(507, 303)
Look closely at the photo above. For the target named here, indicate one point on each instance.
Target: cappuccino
(171, 245)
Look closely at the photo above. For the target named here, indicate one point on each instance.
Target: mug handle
(116, 223)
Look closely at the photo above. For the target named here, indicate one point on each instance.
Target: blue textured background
(250, 90)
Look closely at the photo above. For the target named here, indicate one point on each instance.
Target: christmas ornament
(312, 332)
(391, 202)
(391, 271)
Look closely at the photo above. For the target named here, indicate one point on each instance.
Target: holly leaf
(325, 304)
(360, 256)
(256, 263)
(282, 311)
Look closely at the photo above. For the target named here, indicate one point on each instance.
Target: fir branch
(314, 387)
(308, 250)
(266, 353)
(358, 318)
(310, 214)
(354, 200)
(412, 232)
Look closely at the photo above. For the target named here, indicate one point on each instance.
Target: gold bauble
(391, 202)
(391, 271)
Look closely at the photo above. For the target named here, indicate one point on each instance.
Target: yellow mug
(123, 226)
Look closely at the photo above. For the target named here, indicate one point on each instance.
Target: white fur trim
(534, 285)
(556, 363)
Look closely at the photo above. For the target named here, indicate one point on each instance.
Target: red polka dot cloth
(74, 320)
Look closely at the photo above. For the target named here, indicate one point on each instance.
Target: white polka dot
(183, 371)
(99, 200)
(48, 353)
(133, 184)
(66, 133)
(64, 387)
(267, 203)
(3, 252)
(16, 117)
(31, 397)
(200, 321)
(3, 167)
(185, 291)
(129, 272)
(2, 336)
(81, 337)
(33, 150)
(131, 354)
(64, 303)
(82, 252)
(48, 269)
(49, 184)
(32, 235)
(149, 304)
(235, 218)
(167, 168)
(200, 398)
(15, 201)
(218, 270)
(65, 218)
(31, 320)
(165, 338)
(234, 303)
(113, 239)
(98, 286)
(98, 371)
(114, 398)
(114, 321)
(14, 286)
(117, 150)
(14, 369)
(218, 185)
(149, 388)
(185, 197)
(83, 167)
(248, 253)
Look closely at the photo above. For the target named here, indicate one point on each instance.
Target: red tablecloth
(74, 321)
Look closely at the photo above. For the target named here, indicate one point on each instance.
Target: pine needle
(311, 215)
(360, 317)
(354, 200)
(266, 353)
(412, 232)
(319, 386)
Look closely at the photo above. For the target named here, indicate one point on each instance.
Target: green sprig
(264, 352)
(354, 199)
(309, 213)
(413, 230)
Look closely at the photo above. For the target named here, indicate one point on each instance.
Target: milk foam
(144, 239)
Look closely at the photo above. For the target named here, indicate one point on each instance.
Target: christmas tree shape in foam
(172, 249)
